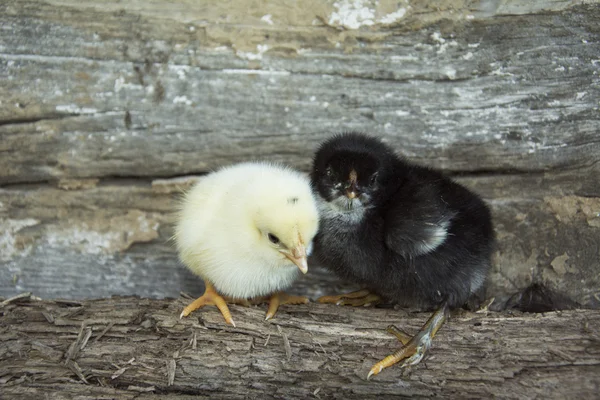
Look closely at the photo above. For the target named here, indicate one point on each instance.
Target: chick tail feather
(414, 348)
(209, 298)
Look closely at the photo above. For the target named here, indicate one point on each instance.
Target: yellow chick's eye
(273, 239)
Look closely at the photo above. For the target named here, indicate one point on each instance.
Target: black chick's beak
(352, 188)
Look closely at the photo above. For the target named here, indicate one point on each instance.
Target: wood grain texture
(91, 91)
(132, 348)
(107, 110)
(114, 239)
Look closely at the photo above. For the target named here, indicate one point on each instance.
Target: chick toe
(358, 298)
(402, 336)
(283, 298)
(209, 298)
(415, 347)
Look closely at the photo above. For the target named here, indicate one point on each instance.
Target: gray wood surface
(130, 348)
(108, 109)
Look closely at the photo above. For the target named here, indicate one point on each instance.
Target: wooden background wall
(108, 109)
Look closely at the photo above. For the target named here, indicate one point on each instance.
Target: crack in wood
(32, 119)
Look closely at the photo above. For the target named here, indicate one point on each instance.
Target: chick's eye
(373, 178)
(273, 239)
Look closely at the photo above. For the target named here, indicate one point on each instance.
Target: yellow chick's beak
(298, 256)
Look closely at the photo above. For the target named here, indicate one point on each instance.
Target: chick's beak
(352, 189)
(297, 255)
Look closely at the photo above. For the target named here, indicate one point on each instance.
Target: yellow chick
(247, 230)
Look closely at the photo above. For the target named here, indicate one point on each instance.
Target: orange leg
(282, 298)
(209, 298)
(359, 298)
(402, 336)
(414, 348)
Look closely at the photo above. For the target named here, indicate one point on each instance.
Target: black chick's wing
(441, 236)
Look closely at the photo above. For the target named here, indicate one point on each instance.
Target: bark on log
(131, 348)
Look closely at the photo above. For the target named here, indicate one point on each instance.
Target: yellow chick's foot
(362, 297)
(209, 298)
(415, 347)
(282, 298)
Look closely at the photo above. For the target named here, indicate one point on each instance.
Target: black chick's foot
(362, 297)
(414, 348)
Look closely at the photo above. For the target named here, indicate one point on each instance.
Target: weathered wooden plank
(93, 92)
(554, 355)
(114, 239)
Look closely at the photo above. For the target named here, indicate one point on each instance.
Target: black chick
(406, 233)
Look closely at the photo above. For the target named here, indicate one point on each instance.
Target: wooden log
(130, 348)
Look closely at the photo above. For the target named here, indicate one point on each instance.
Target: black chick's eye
(329, 172)
(373, 179)
(273, 239)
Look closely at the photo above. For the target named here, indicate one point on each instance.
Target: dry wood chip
(141, 389)
(119, 372)
(110, 325)
(71, 350)
(145, 338)
(130, 362)
(73, 313)
(88, 335)
(25, 295)
(141, 364)
(171, 365)
(73, 366)
(194, 341)
(49, 317)
(267, 341)
(74, 348)
(286, 343)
